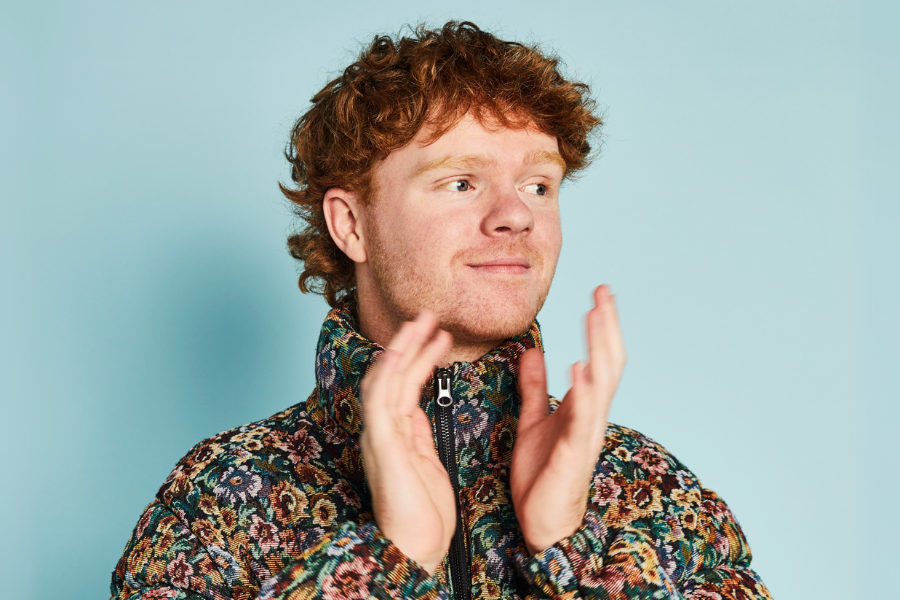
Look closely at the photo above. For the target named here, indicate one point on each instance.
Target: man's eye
(457, 185)
(536, 188)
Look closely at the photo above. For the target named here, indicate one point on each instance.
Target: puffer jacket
(280, 509)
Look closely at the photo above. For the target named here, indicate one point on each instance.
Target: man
(430, 461)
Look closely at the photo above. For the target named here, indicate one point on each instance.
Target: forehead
(496, 145)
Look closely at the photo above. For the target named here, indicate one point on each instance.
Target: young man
(430, 461)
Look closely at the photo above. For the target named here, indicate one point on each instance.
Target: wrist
(428, 561)
(539, 537)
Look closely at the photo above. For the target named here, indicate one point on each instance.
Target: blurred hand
(555, 455)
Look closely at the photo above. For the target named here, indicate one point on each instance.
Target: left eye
(536, 188)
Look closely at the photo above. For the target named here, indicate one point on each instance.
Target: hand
(412, 497)
(555, 455)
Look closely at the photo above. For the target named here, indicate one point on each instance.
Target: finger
(590, 417)
(374, 387)
(614, 338)
(580, 402)
(401, 338)
(532, 388)
(405, 344)
(617, 340)
(421, 329)
(421, 368)
(602, 342)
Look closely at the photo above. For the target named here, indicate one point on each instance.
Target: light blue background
(743, 211)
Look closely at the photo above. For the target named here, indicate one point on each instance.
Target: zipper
(446, 442)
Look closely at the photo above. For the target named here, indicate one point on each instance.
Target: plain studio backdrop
(741, 209)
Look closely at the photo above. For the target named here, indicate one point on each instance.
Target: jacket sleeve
(165, 559)
(353, 561)
(596, 562)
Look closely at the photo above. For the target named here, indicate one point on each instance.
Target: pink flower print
(606, 491)
(652, 461)
(349, 581)
(716, 510)
(302, 448)
(345, 491)
(704, 595)
(161, 594)
(265, 534)
(180, 571)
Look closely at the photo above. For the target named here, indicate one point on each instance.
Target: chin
(491, 317)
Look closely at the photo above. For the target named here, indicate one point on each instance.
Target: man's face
(468, 227)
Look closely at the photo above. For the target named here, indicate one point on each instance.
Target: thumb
(532, 388)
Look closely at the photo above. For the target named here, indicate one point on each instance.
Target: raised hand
(555, 455)
(412, 497)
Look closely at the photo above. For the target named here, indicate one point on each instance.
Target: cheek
(440, 236)
(548, 232)
(420, 240)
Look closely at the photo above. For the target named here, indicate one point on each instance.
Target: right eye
(457, 185)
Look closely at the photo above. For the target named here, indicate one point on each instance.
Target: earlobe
(344, 217)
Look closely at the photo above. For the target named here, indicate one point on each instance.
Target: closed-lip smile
(511, 265)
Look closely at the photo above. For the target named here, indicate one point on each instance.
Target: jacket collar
(343, 356)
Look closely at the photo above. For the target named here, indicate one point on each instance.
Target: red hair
(381, 101)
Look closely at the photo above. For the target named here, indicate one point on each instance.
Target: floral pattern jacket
(279, 509)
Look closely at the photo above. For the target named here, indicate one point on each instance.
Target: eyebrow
(545, 157)
(479, 160)
(457, 162)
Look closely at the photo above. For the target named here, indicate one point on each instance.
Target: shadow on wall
(220, 331)
(144, 354)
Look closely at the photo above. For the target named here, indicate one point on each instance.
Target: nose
(507, 215)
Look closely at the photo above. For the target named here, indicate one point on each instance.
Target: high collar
(344, 356)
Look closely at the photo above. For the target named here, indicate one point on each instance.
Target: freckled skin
(426, 231)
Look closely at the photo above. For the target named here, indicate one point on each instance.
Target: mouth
(515, 265)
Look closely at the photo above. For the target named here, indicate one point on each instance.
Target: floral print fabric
(279, 509)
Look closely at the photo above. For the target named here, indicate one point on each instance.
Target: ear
(344, 216)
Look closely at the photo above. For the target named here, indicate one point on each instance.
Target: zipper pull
(444, 399)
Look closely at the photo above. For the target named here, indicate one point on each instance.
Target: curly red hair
(381, 101)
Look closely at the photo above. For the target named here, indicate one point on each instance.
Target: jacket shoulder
(239, 464)
(655, 491)
(638, 481)
(629, 445)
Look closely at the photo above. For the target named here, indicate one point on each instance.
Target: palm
(412, 498)
(434, 477)
(551, 468)
(555, 454)
(539, 444)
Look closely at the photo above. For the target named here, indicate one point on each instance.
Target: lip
(511, 265)
(512, 261)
